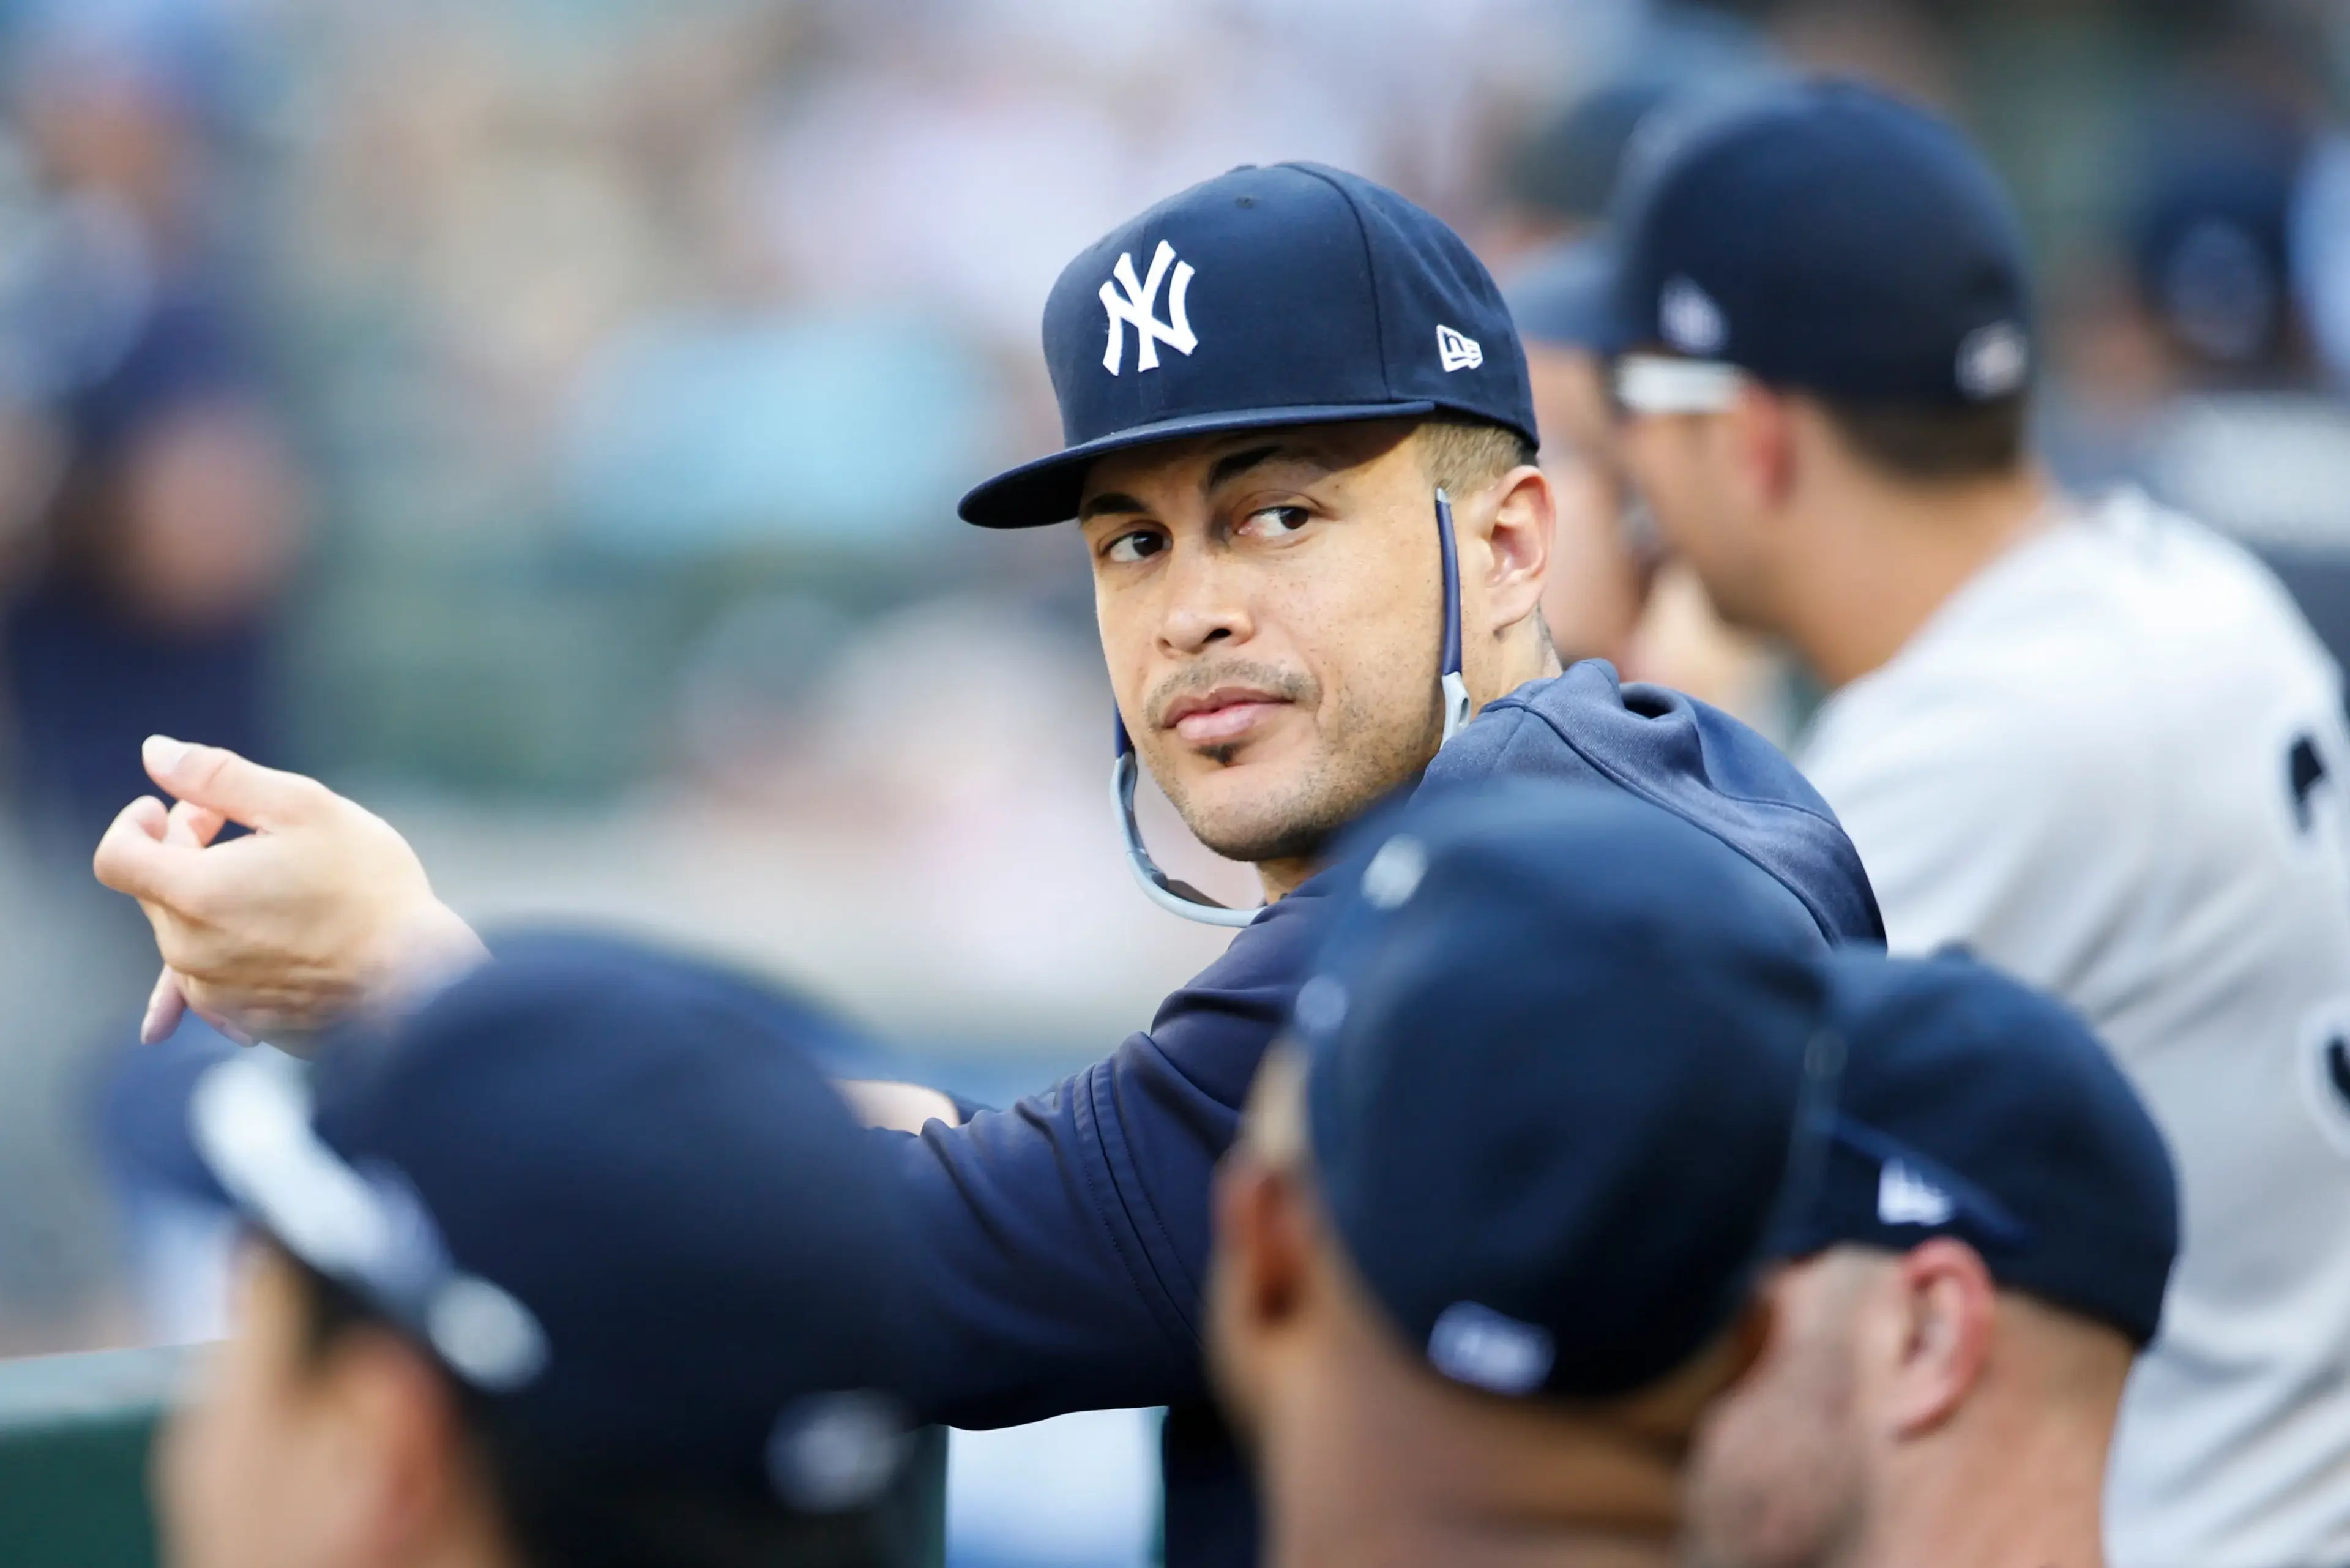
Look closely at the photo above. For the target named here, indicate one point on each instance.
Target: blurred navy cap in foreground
(1291, 295)
(608, 1191)
(1558, 1046)
(1973, 1106)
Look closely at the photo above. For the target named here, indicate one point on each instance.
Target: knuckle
(305, 797)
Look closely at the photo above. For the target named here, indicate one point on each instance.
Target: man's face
(246, 1474)
(1271, 609)
(1685, 469)
(296, 1455)
(1593, 597)
(1775, 1478)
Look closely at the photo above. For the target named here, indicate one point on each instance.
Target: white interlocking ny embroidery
(1135, 308)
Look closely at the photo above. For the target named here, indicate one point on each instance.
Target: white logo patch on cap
(1904, 1197)
(488, 1336)
(1137, 307)
(1689, 319)
(1993, 360)
(1321, 1005)
(1455, 352)
(832, 1452)
(1486, 1349)
(1393, 875)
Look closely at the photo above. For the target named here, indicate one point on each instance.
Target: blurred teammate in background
(1299, 437)
(1612, 593)
(581, 1265)
(1488, 1244)
(2090, 740)
(1983, 1258)
(148, 596)
(1604, 548)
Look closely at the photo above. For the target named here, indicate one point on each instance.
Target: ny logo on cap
(1689, 319)
(1137, 308)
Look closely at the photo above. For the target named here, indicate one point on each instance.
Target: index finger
(134, 857)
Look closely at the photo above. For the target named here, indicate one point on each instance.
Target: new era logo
(1993, 360)
(1138, 306)
(1477, 1346)
(1455, 352)
(1904, 1197)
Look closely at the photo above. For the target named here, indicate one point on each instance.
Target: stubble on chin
(1352, 769)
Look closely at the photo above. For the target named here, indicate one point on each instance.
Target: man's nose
(1206, 603)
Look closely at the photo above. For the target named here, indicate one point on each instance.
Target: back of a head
(1974, 1106)
(1827, 239)
(1555, 1041)
(612, 1200)
(1986, 1246)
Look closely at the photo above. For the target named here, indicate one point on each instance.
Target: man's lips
(1226, 713)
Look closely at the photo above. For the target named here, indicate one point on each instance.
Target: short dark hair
(1933, 445)
(1464, 454)
(556, 1518)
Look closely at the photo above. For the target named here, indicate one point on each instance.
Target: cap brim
(1048, 490)
(1569, 301)
(144, 1129)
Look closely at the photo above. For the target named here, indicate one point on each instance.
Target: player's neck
(1416, 1544)
(2002, 1499)
(1383, 1466)
(1886, 557)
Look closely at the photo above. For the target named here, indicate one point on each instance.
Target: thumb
(220, 781)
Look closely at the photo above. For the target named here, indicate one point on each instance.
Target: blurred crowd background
(543, 418)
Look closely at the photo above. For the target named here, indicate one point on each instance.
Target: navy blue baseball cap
(608, 1191)
(1559, 1047)
(1289, 294)
(1827, 237)
(1973, 1106)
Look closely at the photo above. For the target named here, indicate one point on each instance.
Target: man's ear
(1948, 1303)
(1257, 1279)
(397, 1419)
(1525, 515)
(1262, 1238)
(1761, 427)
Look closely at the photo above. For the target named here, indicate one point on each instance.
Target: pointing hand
(321, 910)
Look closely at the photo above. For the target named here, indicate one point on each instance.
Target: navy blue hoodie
(1065, 1239)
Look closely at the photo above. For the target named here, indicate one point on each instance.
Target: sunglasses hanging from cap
(1181, 898)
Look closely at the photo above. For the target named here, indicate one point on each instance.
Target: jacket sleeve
(1063, 1242)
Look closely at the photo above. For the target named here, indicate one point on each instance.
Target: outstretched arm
(1064, 1240)
(321, 910)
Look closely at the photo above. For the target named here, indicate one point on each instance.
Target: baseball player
(1966, 1283)
(1488, 1242)
(1298, 452)
(1603, 555)
(2089, 739)
(493, 1314)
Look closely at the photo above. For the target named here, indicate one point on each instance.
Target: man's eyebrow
(1109, 501)
(1229, 466)
(1234, 464)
